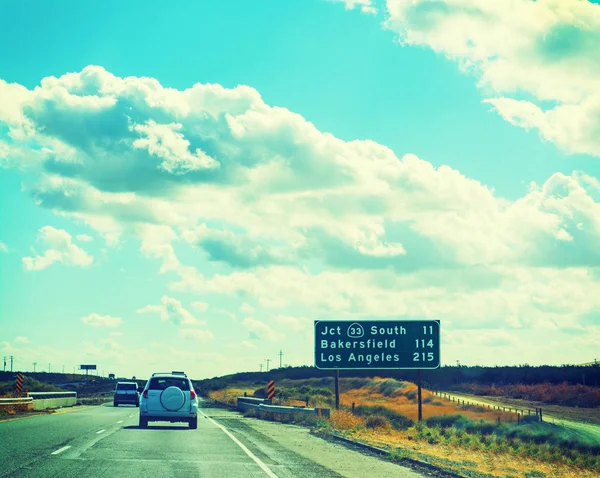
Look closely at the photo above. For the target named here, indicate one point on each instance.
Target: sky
(190, 186)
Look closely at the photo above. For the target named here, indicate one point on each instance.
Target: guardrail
(519, 412)
(265, 406)
(16, 401)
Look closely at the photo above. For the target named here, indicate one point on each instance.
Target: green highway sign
(377, 344)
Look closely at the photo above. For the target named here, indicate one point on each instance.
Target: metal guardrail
(262, 405)
(16, 401)
(43, 395)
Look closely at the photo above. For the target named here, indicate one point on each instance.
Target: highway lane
(106, 441)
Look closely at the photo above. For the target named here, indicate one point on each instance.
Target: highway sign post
(87, 368)
(377, 345)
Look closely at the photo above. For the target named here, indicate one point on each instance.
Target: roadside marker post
(19, 383)
(271, 389)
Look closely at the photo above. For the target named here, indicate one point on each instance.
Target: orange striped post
(19, 383)
(270, 389)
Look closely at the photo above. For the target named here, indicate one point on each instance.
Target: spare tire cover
(172, 398)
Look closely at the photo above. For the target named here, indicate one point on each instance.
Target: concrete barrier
(265, 406)
(44, 400)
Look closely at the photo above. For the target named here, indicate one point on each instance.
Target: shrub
(396, 420)
(377, 421)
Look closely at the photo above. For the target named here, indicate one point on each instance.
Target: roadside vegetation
(466, 439)
(563, 394)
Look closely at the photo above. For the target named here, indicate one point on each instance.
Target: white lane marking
(101, 431)
(60, 450)
(120, 421)
(241, 445)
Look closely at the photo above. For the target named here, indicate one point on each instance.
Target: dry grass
(229, 395)
(461, 459)
(400, 397)
(403, 401)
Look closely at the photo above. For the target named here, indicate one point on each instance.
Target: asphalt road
(106, 441)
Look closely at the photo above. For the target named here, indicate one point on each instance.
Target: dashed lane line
(60, 450)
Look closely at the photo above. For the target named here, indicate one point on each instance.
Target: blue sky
(348, 176)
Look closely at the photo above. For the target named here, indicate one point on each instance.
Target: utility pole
(12, 358)
(4, 358)
(261, 366)
(268, 360)
(63, 369)
(48, 368)
(280, 357)
(34, 364)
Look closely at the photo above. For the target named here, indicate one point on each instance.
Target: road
(106, 441)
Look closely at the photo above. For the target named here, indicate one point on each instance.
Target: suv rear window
(161, 383)
(126, 386)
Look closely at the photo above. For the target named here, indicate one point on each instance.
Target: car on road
(169, 397)
(126, 392)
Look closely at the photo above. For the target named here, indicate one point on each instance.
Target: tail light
(192, 394)
(145, 394)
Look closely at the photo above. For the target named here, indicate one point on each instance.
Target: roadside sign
(270, 389)
(87, 367)
(377, 344)
(19, 383)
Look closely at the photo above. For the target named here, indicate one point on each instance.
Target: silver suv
(169, 397)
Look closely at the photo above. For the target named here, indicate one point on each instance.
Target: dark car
(126, 392)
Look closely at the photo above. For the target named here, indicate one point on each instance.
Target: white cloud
(3, 247)
(297, 221)
(366, 6)
(59, 249)
(21, 340)
(84, 238)
(200, 306)
(97, 320)
(246, 308)
(196, 335)
(261, 331)
(546, 49)
(247, 344)
(171, 310)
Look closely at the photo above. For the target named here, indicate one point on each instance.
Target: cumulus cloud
(366, 6)
(21, 340)
(97, 320)
(200, 306)
(197, 335)
(171, 310)
(84, 238)
(3, 247)
(59, 248)
(297, 221)
(260, 331)
(547, 50)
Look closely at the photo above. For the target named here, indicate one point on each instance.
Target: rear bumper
(125, 399)
(169, 418)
